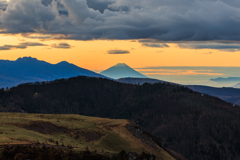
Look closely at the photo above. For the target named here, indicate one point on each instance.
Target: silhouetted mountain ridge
(28, 69)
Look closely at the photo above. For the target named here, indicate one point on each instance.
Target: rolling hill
(121, 70)
(139, 80)
(104, 136)
(185, 122)
(228, 94)
(28, 69)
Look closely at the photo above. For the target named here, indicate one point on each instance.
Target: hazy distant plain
(192, 75)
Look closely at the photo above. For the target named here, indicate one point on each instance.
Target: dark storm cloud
(62, 46)
(166, 20)
(118, 51)
(20, 46)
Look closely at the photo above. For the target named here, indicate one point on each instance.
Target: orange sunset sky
(146, 35)
(93, 54)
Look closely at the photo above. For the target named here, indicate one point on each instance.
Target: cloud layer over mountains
(167, 20)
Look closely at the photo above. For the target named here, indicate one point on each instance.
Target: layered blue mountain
(121, 70)
(28, 69)
(229, 79)
(227, 94)
(236, 85)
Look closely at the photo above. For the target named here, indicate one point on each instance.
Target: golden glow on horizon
(177, 72)
(187, 72)
(93, 54)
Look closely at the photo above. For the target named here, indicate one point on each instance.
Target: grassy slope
(115, 136)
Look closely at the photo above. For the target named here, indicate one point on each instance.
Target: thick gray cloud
(62, 46)
(23, 16)
(228, 46)
(46, 2)
(155, 45)
(166, 20)
(98, 5)
(20, 46)
(118, 51)
(3, 5)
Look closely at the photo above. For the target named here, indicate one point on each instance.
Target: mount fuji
(121, 70)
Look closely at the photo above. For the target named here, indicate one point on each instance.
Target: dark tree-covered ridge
(194, 125)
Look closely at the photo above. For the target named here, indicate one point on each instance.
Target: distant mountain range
(236, 85)
(121, 70)
(28, 69)
(228, 94)
(229, 79)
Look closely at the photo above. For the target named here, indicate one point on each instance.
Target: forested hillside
(194, 125)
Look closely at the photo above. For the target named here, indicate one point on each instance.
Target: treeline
(23, 152)
(195, 125)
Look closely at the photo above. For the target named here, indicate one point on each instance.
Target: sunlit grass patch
(108, 136)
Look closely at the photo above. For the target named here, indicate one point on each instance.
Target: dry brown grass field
(101, 135)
